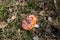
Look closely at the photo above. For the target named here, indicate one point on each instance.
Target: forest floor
(12, 12)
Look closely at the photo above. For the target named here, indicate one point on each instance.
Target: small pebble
(54, 1)
(42, 12)
(17, 3)
(50, 19)
(37, 26)
(10, 9)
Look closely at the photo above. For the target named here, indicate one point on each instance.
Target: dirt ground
(12, 13)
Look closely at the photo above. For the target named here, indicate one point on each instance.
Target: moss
(31, 4)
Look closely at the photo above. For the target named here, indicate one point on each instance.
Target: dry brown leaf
(3, 24)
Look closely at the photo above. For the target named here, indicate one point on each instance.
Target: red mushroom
(29, 22)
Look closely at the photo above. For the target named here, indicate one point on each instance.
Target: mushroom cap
(29, 22)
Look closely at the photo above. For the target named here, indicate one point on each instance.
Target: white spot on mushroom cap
(10, 9)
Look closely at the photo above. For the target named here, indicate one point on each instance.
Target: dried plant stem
(55, 1)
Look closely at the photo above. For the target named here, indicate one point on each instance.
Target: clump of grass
(27, 35)
(26, 11)
(31, 4)
(3, 12)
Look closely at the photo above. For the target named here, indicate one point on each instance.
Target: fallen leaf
(3, 24)
(13, 17)
(42, 12)
(36, 37)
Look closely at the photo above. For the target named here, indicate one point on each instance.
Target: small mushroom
(29, 22)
